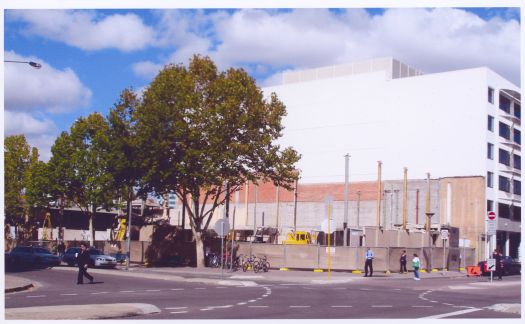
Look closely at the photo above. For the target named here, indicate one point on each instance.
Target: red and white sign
(491, 215)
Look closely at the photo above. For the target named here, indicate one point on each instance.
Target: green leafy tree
(125, 165)
(80, 162)
(199, 129)
(16, 161)
(37, 180)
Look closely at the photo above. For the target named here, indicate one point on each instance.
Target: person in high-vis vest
(416, 264)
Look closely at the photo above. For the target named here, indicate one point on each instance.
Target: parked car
(32, 257)
(508, 266)
(97, 258)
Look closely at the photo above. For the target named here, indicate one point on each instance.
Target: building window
(517, 161)
(517, 136)
(504, 184)
(516, 213)
(490, 179)
(490, 123)
(491, 95)
(490, 205)
(503, 210)
(490, 151)
(516, 187)
(504, 157)
(504, 130)
(504, 103)
(517, 110)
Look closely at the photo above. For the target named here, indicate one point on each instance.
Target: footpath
(215, 276)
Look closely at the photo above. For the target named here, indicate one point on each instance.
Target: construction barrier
(473, 271)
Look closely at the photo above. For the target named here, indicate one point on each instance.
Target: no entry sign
(491, 215)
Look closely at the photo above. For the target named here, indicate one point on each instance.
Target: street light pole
(429, 216)
(33, 64)
(345, 222)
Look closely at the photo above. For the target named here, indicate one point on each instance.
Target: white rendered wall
(431, 123)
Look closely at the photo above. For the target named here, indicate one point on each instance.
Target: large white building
(456, 123)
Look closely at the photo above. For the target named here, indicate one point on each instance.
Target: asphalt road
(371, 299)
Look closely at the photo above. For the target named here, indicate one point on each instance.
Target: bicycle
(263, 265)
(250, 263)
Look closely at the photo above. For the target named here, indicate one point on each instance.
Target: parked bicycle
(263, 265)
(250, 263)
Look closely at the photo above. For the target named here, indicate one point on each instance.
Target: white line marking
(291, 284)
(422, 306)
(381, 306)
(221, 287)
(241, 303)
(339, 288)
(68, 294)
(127, 291)
(448, 304)
(200, 288)
(256, 306)
(37, 296)
(342, 306)
(465, 311)
(432, 301)
(182, 307)
(252, 301)
(299, 306)
(99, 293)
(464, 307)
(178, 312)
(153, 290)
(177, 289)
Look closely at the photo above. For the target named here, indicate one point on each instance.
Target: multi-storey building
(450, 124)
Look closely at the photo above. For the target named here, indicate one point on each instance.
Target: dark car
(97, 258)
(508, 266)
(33, 257)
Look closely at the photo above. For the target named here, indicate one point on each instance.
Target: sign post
(328, 202)
(444, 236)
(491, 230)
(222, 226)
(491, 266)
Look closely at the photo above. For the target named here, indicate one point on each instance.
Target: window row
(504, 157)
(505, 211)
(504, 184)
(505, 131)
(505, 103)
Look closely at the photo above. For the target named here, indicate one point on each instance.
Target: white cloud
(430, 40)
(87, 30)
(146, 69)
(49, 89)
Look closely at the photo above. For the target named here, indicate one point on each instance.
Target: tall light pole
(345, 222)
(429, 216)
(33, 64)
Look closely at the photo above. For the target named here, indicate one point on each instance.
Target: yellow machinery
(121, 229)
(298, 237)
(47, 225)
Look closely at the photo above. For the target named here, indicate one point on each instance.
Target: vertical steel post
(379, 193)
(405, 197)
(345, 222)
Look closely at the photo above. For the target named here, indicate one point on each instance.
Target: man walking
(403, 262)
(497, 258)
(369, 257)
(83, 261)
(416, 264)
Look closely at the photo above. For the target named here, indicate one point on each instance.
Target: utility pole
(405, 197)
(277, 215)
(379, 163)
(345, 222)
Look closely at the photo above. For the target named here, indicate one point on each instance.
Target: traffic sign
(222, 226)
(444, 234)
(491, 227)
(491, 215)
(172, 201)
(491, 264)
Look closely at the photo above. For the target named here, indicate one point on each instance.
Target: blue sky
(90, 56)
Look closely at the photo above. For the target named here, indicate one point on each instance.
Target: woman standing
(416, 264)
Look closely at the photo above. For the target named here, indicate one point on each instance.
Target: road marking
(200, 288)
(177, 289)
(339, 288)
(299, 306)
(257, 306)
(181, 307)
(181, 312)
(36, 296)
(465, 311)
(99, 293)
(241, 303)
(68, 294)
(221, 287)
(381, 306)
(292, 284)
(463, 287)
(447, 304)
(432, 301)
(463, 307)
(153, 290)
(252, 301)
(397, 288)
(342, 306)
(127, 291)
(364, 289)
(422, 306)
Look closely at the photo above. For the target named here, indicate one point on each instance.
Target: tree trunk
(199, 246)
(91, 227)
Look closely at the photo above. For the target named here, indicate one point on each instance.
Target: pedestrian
(497, 258)
(403, 262)
(61, 249)
(416, 264)
(83, 262)
(369, 257)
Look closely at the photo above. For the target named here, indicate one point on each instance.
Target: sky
(89, 56)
